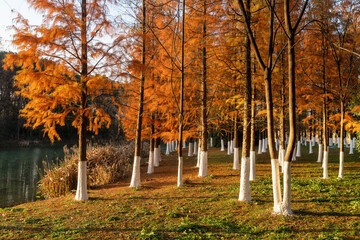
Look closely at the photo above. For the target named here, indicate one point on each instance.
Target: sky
(7, 16)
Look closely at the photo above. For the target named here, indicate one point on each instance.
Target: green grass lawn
(206, 208)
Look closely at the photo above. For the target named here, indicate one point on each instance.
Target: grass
(205, 208)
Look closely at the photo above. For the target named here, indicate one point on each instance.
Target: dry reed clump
(106, 164)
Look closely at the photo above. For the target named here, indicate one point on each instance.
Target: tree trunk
(325, 117)
(282, 115)
(236, 142)
(204, 133)
(229, 144)
(298, 148)
(291, 32)
(222, 141)
(135, 177)
(152, 148)
(252, 137)
(341, 164)
(320, 143)
(191, 148)
(157, 154)
(81, 191)
(245, 156)
(270, 130)
(286, 205)
(181, 113)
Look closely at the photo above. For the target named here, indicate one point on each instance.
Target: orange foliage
(52, 77)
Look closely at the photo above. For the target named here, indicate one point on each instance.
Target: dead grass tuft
(106, 164)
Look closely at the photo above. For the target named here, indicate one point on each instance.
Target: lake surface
(19, 172)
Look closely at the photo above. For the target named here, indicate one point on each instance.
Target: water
(19, 172)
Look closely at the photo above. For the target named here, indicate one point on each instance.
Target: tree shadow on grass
(331, 214)
(100, 199)
(47, 229)
(226, 176)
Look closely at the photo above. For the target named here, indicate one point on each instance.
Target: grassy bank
(206, 208)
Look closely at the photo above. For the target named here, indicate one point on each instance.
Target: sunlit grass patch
(205, 208)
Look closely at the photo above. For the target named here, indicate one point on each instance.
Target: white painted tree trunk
(244, 194)
(156, 156)
(81, 190)
(331, 142)
(310, 148)
(260, 147)
(314, 141)
(232, 146)
(151, 163)
(167, 148)
(211, 142)
(135, 177)
(203, 169)
(180, 172)
(279, 157)
(338, 142)
(198, 159)
(277, 145)
(264, 145)
(294, 155)
(320, 154)
(195, 148)
(325, 165)
(228, 148)
(184, 144)
(191, 150)
(236, 159)
(301, 139)
(286, 204)
(276, 184)
(354, 142)
(176, 145)
(305, 142)
(199, 149)
(282, 159)
(341, 165)
(222, 145)
(252, 166)
(298, 149)
(351, 147)
(345, 143)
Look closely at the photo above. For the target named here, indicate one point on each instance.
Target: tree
(135, 177)
(267, 68)
(204, 124)
(339, 35)
(291, 30)
(245, 156)
(62, 62)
